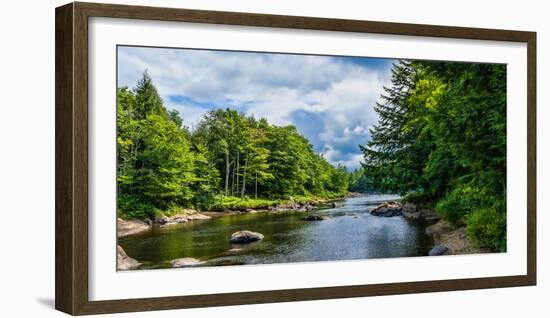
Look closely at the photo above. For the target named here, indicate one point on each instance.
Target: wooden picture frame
(71, 155)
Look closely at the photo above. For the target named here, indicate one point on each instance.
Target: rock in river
(313, 218)
(387, 209)
(241, 237)
(185, 262)
(125, 262)
(130, 227)
(336, 205)
(438, 250)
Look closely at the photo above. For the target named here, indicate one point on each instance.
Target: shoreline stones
(387, 209)
(125, 262)
(455, 240)
(293, 206)
(185, 262)
(188, 215)
(242, 237)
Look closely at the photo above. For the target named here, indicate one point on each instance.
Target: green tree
(155, 165)
(442, 134)
(147, 98)
(207, 178)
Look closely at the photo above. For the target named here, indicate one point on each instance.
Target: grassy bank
(236, 203)
(223, 203)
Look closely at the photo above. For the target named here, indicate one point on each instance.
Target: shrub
(460, 202)
(131, 208)
(487, 228)
(235, 203)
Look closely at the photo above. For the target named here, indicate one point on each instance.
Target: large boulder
(130, 227)
(125, 262)
(242, 237)
(185, 262)
(387, 209)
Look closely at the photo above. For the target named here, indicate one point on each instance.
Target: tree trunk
(235, 167)
(227, 164)
(244, 175)
(236, 175)
(256, 186)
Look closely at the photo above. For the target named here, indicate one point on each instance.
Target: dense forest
(441, 141)
(228, 161)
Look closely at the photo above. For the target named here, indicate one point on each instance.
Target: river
(349, 232)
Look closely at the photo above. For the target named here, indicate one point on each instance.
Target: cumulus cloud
(329, 99)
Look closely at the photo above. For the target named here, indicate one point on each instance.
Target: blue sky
(329, 99)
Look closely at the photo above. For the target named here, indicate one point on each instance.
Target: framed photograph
(210, 158)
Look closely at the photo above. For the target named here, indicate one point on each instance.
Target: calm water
(350, 232)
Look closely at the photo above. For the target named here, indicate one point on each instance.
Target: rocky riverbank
(451, 241)
(410, 211)
(447, 239)
(134, 226)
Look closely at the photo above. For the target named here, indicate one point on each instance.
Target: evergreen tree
(441, 136)
(148, 101)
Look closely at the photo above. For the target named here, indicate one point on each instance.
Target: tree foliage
(442, 135)
(229, 156)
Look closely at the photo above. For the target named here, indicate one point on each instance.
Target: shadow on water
(348, 232)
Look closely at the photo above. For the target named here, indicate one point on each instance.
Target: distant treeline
(163, 165)
(441, 140)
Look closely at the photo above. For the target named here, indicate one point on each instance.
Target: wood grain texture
(532, 158)
(64, 235)
(72, 157)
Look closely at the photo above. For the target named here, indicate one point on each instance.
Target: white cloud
(339, 93)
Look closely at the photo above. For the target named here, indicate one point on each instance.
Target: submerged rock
(387, 209)
(185, 262)
(241, 237)
(125, 262)
(438, 250)
(313, 218)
